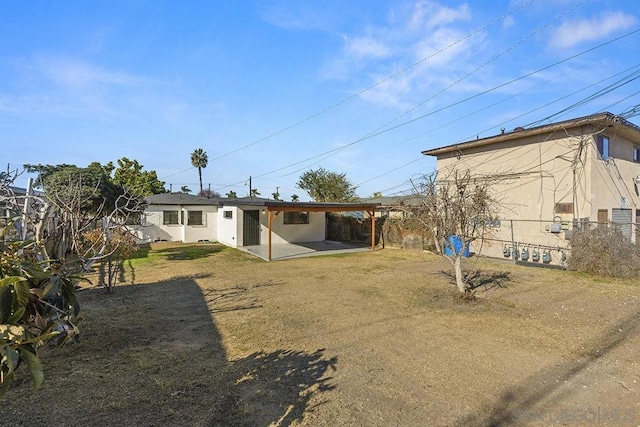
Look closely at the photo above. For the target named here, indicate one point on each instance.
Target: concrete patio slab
(297, 250)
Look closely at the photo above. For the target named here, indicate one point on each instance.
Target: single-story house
(240, 222)
(553, 179)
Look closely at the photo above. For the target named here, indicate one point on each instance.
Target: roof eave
(552, 127)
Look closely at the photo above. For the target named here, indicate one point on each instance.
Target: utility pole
(250, 189)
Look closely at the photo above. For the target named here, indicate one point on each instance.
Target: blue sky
(272, 88)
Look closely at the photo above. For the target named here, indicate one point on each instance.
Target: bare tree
(114, 240)
(28, 212)
(78, 216)
(455, 208)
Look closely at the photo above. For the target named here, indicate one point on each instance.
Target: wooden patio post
(270, 222)
(372, 215)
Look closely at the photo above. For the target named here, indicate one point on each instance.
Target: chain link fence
(541, 242)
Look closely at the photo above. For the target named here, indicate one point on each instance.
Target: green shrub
(604, 251)
(37, 305)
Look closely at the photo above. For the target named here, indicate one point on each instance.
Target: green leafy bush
(604, 251)
(37, 305)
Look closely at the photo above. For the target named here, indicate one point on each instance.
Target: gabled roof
(603, 119)
(180, 199)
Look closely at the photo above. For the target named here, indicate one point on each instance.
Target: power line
(493, 89)
(379, 82)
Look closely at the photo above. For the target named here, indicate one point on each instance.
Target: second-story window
(603, 147)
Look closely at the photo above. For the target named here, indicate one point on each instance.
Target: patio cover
(274, 207)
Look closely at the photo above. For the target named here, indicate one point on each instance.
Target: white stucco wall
(283, 233)
(228, 227)
(230, 231)
(153, 229)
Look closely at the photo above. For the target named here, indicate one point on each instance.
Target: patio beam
(319, 208)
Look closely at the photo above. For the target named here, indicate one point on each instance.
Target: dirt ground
(206, 335)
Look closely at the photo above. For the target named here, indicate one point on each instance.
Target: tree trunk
(109, 275)
(457, 264)
(200, 176)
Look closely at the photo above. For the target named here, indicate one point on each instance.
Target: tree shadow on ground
(151, 354)
(486, 280)
(525, 403)
(183, 253)
(142, 251)
(277, 386)
(238, 297)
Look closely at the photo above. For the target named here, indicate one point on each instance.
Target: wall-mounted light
(637, 179)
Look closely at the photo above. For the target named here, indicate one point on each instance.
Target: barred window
(296, 217)
(170, 217)
(227, 214)
(195, 218)
(564, 208)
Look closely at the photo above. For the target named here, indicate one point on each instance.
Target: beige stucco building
(553, 178)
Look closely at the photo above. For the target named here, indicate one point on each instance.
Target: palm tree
(199, 159)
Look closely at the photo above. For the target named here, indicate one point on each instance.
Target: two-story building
(553, 178)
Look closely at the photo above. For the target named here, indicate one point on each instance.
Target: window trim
(168, 215)
(227, 214)
(190, 219)
(295, 218)
(603, 144)
(563, 208)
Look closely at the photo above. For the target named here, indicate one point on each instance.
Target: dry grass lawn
(206, 335)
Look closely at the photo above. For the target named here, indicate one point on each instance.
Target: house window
(564, 208)
(170, 217)
(603, 146)
(636, 154)
(195, 218)
(296, 217)
(227, 214)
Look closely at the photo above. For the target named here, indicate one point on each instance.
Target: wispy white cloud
(366, 47)
(75, 73)
(411, 32)
(508, 22)
(421, 30)
(572, 33)
(430, 14)
(70, 87)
